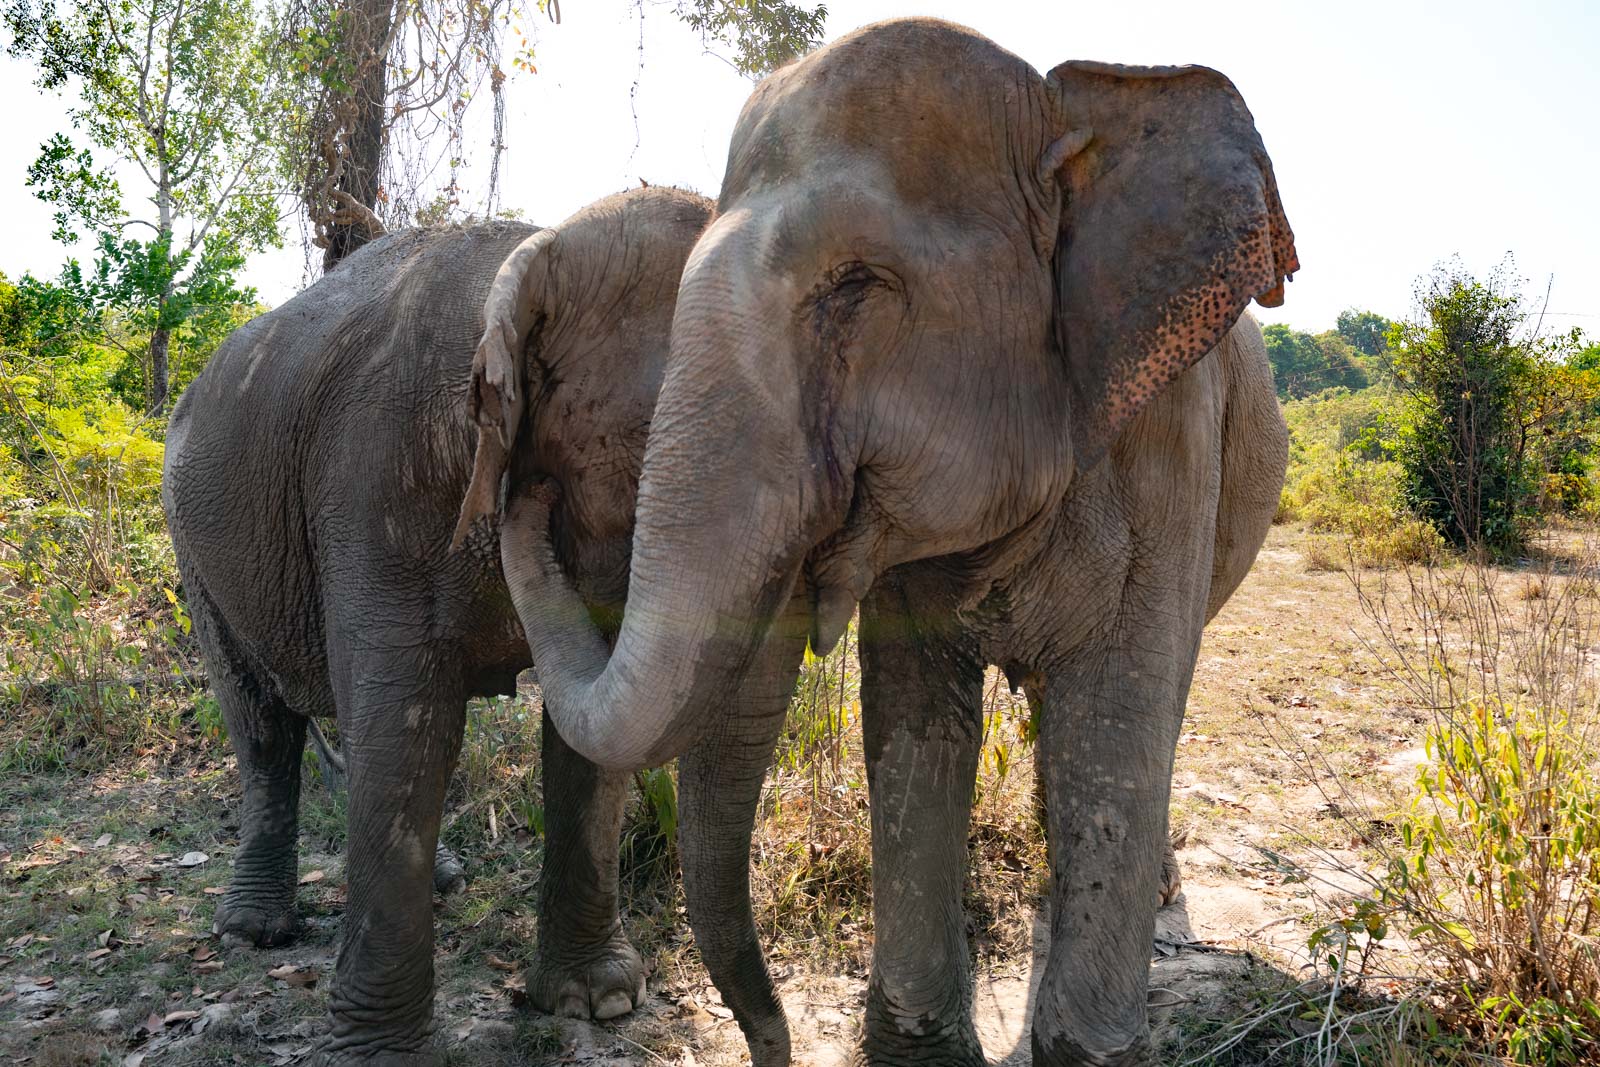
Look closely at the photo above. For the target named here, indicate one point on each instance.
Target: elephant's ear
(1170, 224)
(497, 396)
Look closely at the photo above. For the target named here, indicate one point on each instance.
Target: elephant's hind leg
(921, 698)
(584, 964)
(258, 908)
(401, 715)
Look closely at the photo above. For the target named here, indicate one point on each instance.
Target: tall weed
(1495, 873)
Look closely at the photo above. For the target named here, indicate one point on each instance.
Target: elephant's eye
(836, 302)
(846, 286)
(851, 280)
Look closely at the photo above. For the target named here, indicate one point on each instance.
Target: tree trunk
(157, 386)
(367, 105)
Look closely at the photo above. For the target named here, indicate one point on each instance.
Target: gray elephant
(314, 473)
(940, 354)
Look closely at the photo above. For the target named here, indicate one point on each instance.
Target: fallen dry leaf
(312, 876)
(295, 976)
(499, 964)
(214, 890)
(97, 954)
(193, 859)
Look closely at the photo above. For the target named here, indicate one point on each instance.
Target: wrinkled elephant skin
(964, 345)
(314, 475)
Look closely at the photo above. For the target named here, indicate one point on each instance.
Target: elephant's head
(566, 373)
(937, 285)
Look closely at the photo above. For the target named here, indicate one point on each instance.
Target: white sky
(1403, 132)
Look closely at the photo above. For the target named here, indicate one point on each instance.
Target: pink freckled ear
(1170, 224)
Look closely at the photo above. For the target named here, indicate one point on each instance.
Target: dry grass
(1287, 671)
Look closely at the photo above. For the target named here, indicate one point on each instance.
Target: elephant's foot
(897, 1038)
(350, 1057)
(600, 981)
(449, 876)
(1063, 1052)
(909, 1051)
(246, 921)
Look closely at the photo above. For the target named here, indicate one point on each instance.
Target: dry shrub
(1357, 517)
(1405, 543)
(812, 870)
(1325, 554)
(1496, 873)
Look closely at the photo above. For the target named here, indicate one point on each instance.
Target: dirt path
(106, 958)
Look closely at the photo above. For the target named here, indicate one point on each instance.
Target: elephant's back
(257, 435)
(320, 425)
(394, 314)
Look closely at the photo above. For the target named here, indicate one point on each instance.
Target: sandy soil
(1282, 675)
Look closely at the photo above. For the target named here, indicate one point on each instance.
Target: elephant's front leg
(1106, 741)
(921, 694)
(721, 781)
(404, 733)
(584, 964)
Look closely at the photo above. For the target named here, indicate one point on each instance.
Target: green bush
(1343, 486)
(1492, 868)
(1498, 873)
(95, 654)
(1497, 424)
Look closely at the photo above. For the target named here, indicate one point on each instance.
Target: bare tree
(377, 73)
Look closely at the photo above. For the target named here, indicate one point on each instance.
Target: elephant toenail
(612, 1005)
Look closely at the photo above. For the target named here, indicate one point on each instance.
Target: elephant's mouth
(841, 568)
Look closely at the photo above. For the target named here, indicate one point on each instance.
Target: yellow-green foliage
(1499, 873)
(1341, 484)
(80, 492)
(92, 629)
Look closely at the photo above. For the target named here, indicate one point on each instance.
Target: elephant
(941, 355)
(314, 476)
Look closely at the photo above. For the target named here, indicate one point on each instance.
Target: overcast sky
(1402, 132)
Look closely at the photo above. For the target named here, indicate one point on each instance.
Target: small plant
(1493, 872)
(72, 666)
(1499, 873)
(650, 831)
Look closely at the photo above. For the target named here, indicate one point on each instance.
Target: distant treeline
(1352, 355)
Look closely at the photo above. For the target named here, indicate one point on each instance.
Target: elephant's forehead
(937, 100)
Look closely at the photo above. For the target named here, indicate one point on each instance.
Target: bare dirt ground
(108, 883)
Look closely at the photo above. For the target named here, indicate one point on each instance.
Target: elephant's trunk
(728, 493)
